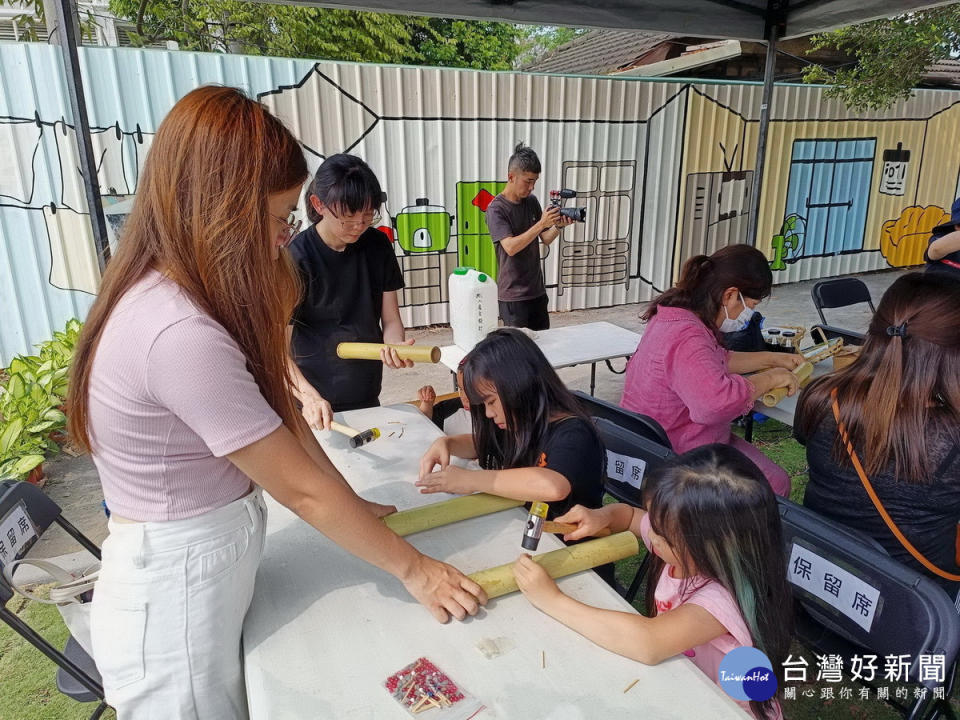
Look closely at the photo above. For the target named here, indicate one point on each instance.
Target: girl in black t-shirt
(350, 277)
(532, 438)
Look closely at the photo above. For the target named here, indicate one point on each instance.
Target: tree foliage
(890, 56)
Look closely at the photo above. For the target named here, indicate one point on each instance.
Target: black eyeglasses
(371, 220)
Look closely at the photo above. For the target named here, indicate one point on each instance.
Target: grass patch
(27, 677)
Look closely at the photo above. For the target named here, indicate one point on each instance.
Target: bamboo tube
(371, 351)
(497, 581)
(777, 394)
(408, 522)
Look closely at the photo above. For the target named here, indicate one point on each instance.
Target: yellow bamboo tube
(408, 522)
(497, 581)
(371, 351)
(777, 394)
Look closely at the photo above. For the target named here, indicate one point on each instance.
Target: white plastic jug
(473, 306)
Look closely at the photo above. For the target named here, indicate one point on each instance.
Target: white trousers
(168, 611)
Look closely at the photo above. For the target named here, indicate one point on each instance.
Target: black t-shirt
(518, 276)
(573, 449)
(926, 514)
(936, 266)
(342, 302)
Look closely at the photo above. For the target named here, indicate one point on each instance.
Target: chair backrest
(634, 422)
(840, 292)
(25, 514)
(853, 597)
(630, 457)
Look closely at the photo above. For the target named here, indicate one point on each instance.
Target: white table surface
(787, 408)
(570, 345)
(325, 630)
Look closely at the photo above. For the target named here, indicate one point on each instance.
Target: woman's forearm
(747, 362)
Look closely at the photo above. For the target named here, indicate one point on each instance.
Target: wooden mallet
(357, 437)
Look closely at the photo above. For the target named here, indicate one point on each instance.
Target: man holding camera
(517, 227)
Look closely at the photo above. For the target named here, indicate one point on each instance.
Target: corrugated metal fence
(664, 169)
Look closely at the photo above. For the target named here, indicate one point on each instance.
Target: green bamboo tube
(371, 351)
(774, 396)
(408, 522)
(497, 581)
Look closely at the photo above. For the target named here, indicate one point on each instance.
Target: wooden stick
(371, 351)
(499, 580)
(629, 687)
(438, 399)
(774, 396)
(408, 522)
(552, 526)
(543, 659)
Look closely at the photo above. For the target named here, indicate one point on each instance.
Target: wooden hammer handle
(559, 528)
(344, 429)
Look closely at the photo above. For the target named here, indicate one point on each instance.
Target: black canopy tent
(758, 20)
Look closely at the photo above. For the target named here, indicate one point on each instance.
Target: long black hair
(530, 392)
(344, 183)
(719, 515)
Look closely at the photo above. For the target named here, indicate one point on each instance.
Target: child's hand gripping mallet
(357, 437)
(537, 524)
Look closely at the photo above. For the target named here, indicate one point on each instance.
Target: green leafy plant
(31, 400)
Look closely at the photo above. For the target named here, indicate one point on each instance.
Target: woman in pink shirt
(681, 375)
(719, 585)
(179, 389)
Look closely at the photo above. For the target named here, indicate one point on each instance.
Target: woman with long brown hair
(681, 375)
(899, 403)
(179, 389)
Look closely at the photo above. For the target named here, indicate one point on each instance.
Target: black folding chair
(633, 447)
(840, 292)
(27, 513)
(852, 598)
(635, 422)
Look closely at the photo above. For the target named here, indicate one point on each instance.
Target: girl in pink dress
(681, 375)
(720, 583)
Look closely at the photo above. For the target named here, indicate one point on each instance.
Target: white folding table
(570, 345)
(325, 630)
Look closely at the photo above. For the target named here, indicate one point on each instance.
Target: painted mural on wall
(664, 169)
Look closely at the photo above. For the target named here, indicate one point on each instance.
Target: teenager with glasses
(350, 277)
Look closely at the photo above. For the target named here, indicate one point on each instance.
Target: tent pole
(69, 39)
(773, 30)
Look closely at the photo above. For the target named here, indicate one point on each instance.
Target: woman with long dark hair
(681, 375)
(712, 524)
(899, 403)
(179, 390)
(350, 278)
(532, 438)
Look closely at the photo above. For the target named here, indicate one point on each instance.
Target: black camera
(574, 213)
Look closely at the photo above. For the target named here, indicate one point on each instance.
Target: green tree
(467, 43)
(266, 29)
(890, 56)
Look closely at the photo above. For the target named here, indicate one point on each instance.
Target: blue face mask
(730, 324)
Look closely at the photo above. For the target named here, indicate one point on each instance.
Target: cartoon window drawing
(829, 188)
